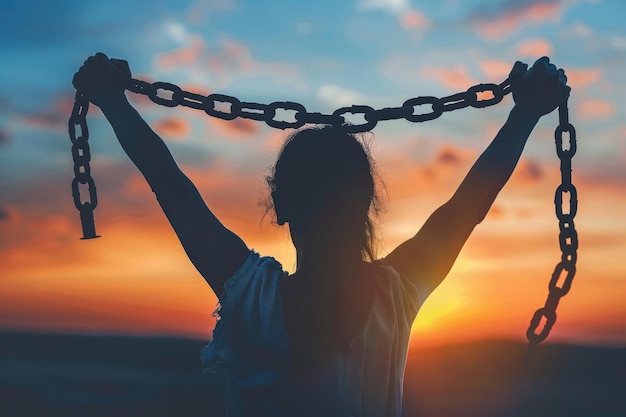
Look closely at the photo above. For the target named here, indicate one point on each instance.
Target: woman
(330, 339)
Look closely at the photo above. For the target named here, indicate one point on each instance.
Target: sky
(136, 280)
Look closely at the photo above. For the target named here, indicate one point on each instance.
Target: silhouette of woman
(330, 339)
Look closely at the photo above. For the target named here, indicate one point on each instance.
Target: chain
(568, 237)
(79, 135)
(228, 107)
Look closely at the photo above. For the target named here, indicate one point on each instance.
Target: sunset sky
(325, 54)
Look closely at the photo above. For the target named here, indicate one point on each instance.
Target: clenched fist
(542, 88)
(100, 77)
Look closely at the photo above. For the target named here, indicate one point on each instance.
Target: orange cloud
(592, 109)
(449, 155)
(582, 78)
(495, 69)
(55, 116)
(186, 55)
(174, 128)
(413, 20)
(275, 140)
(496, 211)
(544, 10)
(236, 128)
(495, 24)
(438, 176)
(456, 78)
(225, 62)
(9, 218)
(535, 48)
(527, 172)
(135, 187)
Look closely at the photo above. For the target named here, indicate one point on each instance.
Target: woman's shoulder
(393, 285)
(255, 264)
(386, 271)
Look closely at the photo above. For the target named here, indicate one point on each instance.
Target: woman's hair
(327, 170)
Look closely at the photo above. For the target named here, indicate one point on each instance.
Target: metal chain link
(261, 112)
(82, 172)
(232, 108)
(568, 237)
(228, 107)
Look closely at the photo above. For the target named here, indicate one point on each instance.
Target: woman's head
(324, 186)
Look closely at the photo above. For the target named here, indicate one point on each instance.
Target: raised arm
(427, 257)
(214, 250)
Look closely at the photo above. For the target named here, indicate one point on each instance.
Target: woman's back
(320, 319)
(252, 344)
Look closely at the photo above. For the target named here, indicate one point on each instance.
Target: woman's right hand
(99, 78)
(542, 88)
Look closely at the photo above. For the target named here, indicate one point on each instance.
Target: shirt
(251, 347)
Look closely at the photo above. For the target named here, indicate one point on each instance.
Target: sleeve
(404, 293)
(249, 342)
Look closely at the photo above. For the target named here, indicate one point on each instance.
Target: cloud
(176, 31)
(409, 18)
(496, 211)
(8, 216)
(592, 109)
(449, 155)
(534, 48)
(413, 20)
(498, 20)
(233, 195)
(55, 224)
(336, 96)
(578, 30)
(527, 172)
(52, 117)
(201, 11)
(436, 176)
(135, 188)
(174, 128)
(582, 78)
(495, 69)
(455, 78)
(222, 64)
(390, 6)
(236, 128)
(618, 42)
(189, 54)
